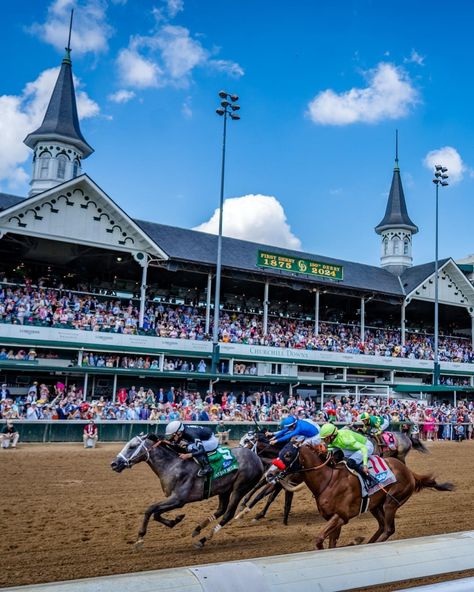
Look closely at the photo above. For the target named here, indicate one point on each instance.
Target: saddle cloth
(381, 472)
(222, 462)
(389, 440)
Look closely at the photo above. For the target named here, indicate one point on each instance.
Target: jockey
(355, 447)
(374, 425)
(292, 427)
(199, 441)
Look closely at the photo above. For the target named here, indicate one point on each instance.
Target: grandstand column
(472, 329)
(208, 303)
(79, 357)
(265, 307)
(403, 322)
(144, 263)
(231, 367)
(114, 389)
(86, 380)
(362, 320)
(344, 374)
(162, 362)
(316, 313)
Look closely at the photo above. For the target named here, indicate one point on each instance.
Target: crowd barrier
(71, 430)
(331, 570)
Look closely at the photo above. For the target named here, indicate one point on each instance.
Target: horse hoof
(178, 519)
(139, 545)
(195, 533)
(359, 540)
(199, 544)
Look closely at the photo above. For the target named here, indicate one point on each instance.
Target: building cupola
(396, 228)
(58, 144)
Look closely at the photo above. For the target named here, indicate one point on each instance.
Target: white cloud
(169, 54)
(389, 95)
(186, 109)
(22, 114)
(121, 96)
(256, 218)
(450, 158)
(415, 58)
(137, 71)
(90, 31)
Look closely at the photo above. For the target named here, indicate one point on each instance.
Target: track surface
(66, 515)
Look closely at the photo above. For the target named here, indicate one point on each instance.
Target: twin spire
(396, 213)
(61, 121)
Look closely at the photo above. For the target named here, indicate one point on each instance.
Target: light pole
(227, 109)
(440, 177)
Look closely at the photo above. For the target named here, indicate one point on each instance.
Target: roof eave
(385, 226)
(32, 140)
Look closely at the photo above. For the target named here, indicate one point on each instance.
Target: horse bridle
(127, 461)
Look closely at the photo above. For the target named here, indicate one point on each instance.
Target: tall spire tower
(396, 227)
(58, 144)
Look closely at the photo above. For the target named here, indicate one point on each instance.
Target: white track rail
(322, 571)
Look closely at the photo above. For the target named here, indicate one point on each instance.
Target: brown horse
(338, 494)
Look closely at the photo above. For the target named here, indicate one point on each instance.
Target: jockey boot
(380, 441)
(369, 480)
(204, 463)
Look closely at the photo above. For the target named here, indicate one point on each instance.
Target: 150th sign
(296, 265)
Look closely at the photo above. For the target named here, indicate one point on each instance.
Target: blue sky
(322, 86)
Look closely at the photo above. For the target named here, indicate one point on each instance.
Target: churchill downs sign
(297, 265)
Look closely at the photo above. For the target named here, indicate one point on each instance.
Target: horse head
(287, 456)
(248, 440)
(135, 451)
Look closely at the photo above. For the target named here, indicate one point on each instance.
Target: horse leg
(288, 501)
(333, 538)
(335, 523)
(155, 510)
(235, 498)
(273, 495)
(247, 505)
(379, 515)
(389, 510)
(223, 501)
(249, 495)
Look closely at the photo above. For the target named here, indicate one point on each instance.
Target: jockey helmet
(328, 429)
(174, 427)
(364, 416)
(288, 422)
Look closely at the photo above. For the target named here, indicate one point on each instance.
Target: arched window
(62, 159)
(385, 246)
(44, 160)
(406, 246)
(75, 167)
(396, 245)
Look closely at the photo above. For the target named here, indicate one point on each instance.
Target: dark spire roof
(396, 214)
(61, 121)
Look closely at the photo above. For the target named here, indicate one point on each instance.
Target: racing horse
(181, 484)
(337, 491)
(403, 442)
(260, 443)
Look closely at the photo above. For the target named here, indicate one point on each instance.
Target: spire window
(406, 246)
(396, 246)
(75, 168)
(62, 159)
(44, 160)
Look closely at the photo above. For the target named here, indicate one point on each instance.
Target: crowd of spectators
(432, 421)
(66, 309)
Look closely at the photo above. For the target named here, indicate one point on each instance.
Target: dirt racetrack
(66, 515)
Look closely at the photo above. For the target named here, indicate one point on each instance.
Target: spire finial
(396, 149)
(67, 57)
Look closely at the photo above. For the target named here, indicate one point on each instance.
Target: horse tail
(428, 481)
(418, 445)
(291, 487)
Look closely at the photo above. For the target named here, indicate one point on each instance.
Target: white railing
(321, 571)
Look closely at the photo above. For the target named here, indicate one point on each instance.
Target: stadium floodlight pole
(227, 109)
(440, 176)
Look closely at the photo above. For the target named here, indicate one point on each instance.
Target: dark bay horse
(338, 496)
(260, 444)
(181, 484)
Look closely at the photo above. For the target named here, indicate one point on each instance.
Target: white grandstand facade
(291, 321)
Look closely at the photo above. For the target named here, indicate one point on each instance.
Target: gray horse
(181, 484)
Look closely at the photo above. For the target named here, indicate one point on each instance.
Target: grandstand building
(94, 297)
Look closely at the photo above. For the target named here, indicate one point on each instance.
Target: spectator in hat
(90, 435)
(9, 435)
